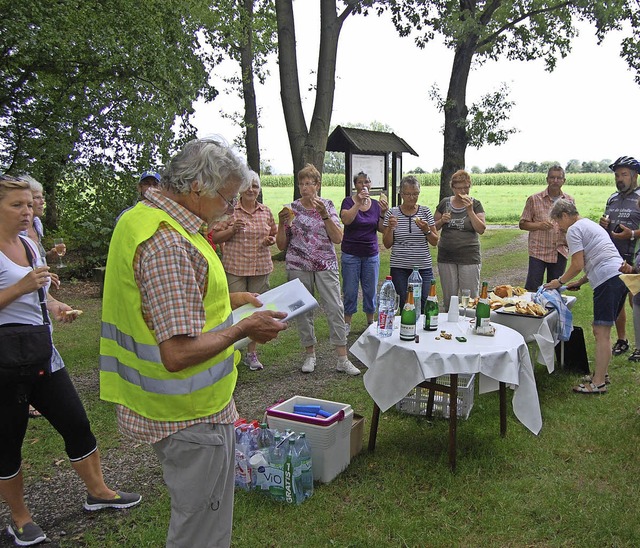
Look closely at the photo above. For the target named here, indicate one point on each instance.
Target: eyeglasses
(411, 194)
(230, 203)
(306, 183)
(458, 187)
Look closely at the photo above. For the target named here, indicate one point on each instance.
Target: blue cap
(153, 174)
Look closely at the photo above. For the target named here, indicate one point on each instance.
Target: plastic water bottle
(277, 457)
(416, 281)
(306, 465)
(264, 437)
(292, 475)
(386, 308)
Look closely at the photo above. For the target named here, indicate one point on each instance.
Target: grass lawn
(575, 484)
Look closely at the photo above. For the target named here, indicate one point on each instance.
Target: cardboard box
(357, 431)
(328, 437)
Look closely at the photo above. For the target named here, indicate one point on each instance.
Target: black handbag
(575, 352)
(26, 350)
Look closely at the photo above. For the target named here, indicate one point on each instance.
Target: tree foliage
(106, 84)
(479, 31)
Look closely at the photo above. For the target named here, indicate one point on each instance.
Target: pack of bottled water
(277, 464)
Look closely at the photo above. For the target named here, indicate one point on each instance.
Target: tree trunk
(308, 145)
(455, 115)
(249, 92)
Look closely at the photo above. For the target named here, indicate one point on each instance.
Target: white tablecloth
(542, 331)
(395, 366)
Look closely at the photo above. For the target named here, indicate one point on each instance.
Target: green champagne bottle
(431, 309)
(483, 311)
(408, 318)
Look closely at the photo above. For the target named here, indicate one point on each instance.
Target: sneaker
(635, 356)
(251, 359)
(30, 533)
(309, 364)
(620, 347)
(122, 500)
(347, 367)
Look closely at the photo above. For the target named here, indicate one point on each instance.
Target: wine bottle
(408, 318)
(483, 311)
(431, 309)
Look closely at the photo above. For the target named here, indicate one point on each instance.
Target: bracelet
(382, 216)
(325, 218)
(633, 235)
(560, 281)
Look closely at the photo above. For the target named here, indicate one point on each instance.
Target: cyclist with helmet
(621, 220)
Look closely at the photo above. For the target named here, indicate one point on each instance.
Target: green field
(503, 204)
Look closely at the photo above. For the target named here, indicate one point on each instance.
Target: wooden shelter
(368, 151)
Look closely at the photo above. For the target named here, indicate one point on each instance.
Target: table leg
(561, 354)
(373, 430)
(453, 420)
(503, 409)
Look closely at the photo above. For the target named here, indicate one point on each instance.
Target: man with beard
(621, 220)
(167, 354)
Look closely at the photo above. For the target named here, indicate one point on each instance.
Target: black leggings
(56, 398)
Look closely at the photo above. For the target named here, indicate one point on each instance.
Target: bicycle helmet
(626, 161)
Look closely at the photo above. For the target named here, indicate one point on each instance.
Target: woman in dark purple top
(362, 218)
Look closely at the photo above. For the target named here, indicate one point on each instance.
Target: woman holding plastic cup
(363, 218)
(461, 219)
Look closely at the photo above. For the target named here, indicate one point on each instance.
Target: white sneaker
(348, 368)
(310, 364)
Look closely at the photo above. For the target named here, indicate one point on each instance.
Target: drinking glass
(61, 249)
(465, 295)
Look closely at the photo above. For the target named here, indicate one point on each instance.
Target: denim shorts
(608, 301)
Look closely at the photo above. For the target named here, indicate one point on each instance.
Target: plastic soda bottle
(386, 308)
(408, 318)
(306, 465)
(431, 309)
(416, 281)
(264, 437)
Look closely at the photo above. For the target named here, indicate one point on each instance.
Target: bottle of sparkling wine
(408, 318)
(483, 311)
(431, 309)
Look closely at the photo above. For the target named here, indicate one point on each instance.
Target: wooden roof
(345, 139)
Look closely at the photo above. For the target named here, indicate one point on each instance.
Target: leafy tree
(479, 30)
(97, 83)
(418, 170)
(526, 167)
(245, 31)
(498, 168)
(308, 143)
(573, 166)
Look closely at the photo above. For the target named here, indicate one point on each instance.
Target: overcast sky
(587, 109)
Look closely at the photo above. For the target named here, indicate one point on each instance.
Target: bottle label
(407, 332)
(430, 322)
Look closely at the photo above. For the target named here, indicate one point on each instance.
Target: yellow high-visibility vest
(131, 371)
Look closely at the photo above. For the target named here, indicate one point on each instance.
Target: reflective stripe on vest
(151, 353)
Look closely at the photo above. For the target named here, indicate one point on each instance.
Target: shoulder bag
(26, 350)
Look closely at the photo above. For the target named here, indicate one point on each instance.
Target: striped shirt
(544, 245)
(172, 276)
(410, 246)
(244, 253)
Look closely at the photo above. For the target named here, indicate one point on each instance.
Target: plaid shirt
(544, 244)
(172, 276)
(244, 254)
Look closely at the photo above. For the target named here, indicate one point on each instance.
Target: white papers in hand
(291, 297)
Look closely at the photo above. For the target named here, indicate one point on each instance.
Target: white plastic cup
(454, 312)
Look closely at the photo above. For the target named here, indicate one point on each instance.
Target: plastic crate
(329, 439)
(415, 403)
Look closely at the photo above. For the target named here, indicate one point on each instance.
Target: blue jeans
(400, 277)
(359, 271)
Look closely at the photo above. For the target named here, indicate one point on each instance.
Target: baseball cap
(146, 174)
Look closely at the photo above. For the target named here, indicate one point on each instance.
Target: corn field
(433, 179)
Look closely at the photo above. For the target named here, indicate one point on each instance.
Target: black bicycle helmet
(626, 161)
